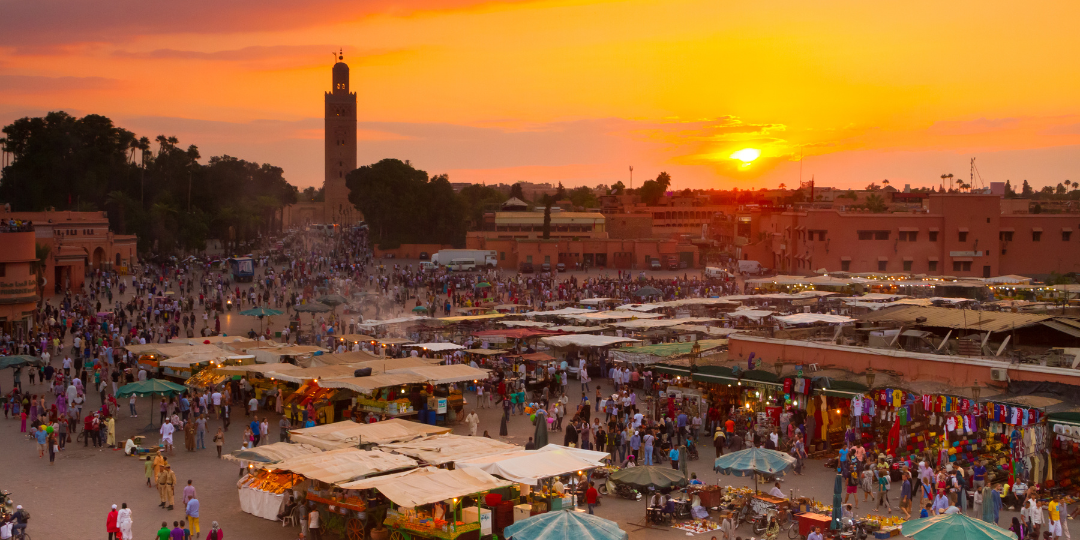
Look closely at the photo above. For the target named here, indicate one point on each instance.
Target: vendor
(557, 487)
(776, 491)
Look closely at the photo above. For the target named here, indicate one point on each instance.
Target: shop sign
(17, 288)
(441, 408)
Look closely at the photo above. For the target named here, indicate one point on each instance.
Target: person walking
(591, 497)
(124, 521)
(166, 481)
(473, 420)
(219, 441)
(215, 532)
(313, 523)
(192, 512)
(110, 523)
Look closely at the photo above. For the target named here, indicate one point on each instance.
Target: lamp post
(975, 391)
(870, 376)
(778, 367)
(695, 351)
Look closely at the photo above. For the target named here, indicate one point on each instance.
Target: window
(933, 266)
(1065, 235)
(528, 259)
(1036, 236)
(1005, 236)
(933, 236)
(963, 236)
(873, 235)
(819, 234)
(907, 266)
(502, 255)
(882, 265)
(909, 236)
(845, 266)
(961, 266)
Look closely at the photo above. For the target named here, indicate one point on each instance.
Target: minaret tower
(340, 140)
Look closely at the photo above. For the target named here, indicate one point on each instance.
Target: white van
(712, 272)
(461, 265)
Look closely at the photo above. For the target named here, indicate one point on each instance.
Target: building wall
(629, 226)
(410, 251)
(607, 253)
(18, 285)
(960, 235)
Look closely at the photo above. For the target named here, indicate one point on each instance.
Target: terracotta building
(78, 242)
(959, 234)
(18, 284)
(339, 143)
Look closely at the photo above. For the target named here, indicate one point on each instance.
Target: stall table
(809, 520)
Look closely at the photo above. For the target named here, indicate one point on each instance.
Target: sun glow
(746, 155)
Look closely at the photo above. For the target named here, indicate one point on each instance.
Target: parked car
(424, 256)
(655, 264)
(428, 266)
(560, 267)
(545, 267)
(673, 264)
(527, 268)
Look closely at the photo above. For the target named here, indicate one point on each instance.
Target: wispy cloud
(38, 84)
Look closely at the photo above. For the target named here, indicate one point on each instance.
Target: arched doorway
(99, 258)
(118, 260)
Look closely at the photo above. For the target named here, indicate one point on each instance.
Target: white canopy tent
(435, 347)
(345, 464)
(808, 318)
(529, 466)
(349, 434)
(559, 312)
(429, 485)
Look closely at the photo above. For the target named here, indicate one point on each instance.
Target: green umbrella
(482, 285)
(313, 307)
(565, 525)
(650, 476)
(648, 291)
(418, 309)
(953, 527)
(332, 299)
(151, 387)
(260, 312)
(754, 461)
(19, 360)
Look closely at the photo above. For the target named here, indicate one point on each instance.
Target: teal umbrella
(953, 527)
(564, 525)
(151, 387)
(313, 307)
(418, 309)
(482, 285)
(754, 461)
(260, 312)
(648, 291)
(19, 360)
(651, 476)
(332, 299)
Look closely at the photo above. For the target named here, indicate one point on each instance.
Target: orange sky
(577, 90)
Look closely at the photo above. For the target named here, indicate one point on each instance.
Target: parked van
(712, 272)
(461, 265)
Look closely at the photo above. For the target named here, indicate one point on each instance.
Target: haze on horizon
(575, 91)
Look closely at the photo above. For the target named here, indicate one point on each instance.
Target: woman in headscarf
(1017, 528)
(123, 521)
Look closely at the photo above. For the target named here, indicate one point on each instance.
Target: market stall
(535, 472)
(432, 503)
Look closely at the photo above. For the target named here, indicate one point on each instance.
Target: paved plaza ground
(70, 500)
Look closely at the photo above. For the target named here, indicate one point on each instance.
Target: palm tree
(885, 181)
(782, 185)
(41, 256)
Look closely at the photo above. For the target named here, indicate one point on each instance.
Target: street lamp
(778, 367)
(870, 376)
(975, 391)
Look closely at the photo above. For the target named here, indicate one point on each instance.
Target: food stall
(342, 510)
(435, 503)
(535, 470)
(385, 394)
(263, 489)
(447, 449)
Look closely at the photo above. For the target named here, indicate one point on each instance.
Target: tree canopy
(167, 197)
(402, 205)
(651, 191)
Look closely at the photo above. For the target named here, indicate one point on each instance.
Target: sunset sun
(746, 155)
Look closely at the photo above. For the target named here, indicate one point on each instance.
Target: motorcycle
(619, 490)
(228, 304)
(6, 503)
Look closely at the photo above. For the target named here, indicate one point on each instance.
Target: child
(187, 532)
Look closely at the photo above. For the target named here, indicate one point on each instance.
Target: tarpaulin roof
(808, 318)
(351, 357)
(572, 329)
(172, 349)
(349, 434)
(435, 347)
(321, 373)
(368, 385)
(663, 323)
(464, 318)
(614, 315)
(584, 340)
(394, 341)
(399, 320)
(528, 466)
(992, 321)
(680, 303)
(445, 374)
(258, 368)
(559, 312)
(345, 464)
(517, 333)
(591, 456)
(441, 449)
(538, 357)
(429, 485)
(668, 350)
(486, 352)
(755, 314)
(272, 453)
(525, 324)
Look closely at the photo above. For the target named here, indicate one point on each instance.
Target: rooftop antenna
(631, 177)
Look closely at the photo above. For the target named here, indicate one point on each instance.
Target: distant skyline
(576, 91)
